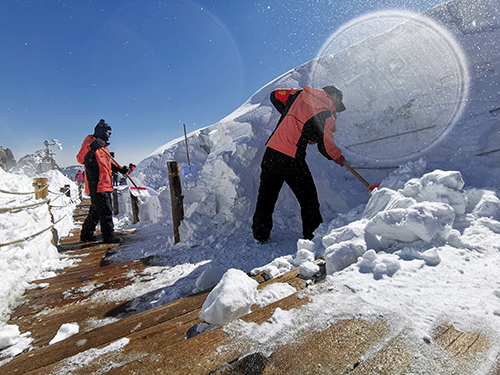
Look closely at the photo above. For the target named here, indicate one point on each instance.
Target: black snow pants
(100, 212)
(278, 168)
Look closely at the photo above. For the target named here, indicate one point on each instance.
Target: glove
(98, 143)
(124, 170)
(340, 160)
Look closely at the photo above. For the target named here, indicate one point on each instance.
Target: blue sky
(147, 67)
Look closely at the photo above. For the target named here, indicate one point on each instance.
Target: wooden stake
(115, 202)
(38, 183)
(135, 207)
(176, 197)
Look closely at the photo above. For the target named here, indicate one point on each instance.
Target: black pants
(278, 168)
(100, 212)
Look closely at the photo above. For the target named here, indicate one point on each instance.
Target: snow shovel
(369, 187)
(137, 191)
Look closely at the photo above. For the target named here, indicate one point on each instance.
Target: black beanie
(100, 130)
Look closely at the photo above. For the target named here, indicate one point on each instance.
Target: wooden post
(55, 235)
(174, 178)
(115, 202)
(38, 183)
(135, 207)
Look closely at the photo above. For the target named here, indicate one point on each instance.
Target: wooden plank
(392, 359)
(116, 330)
(160, 347)
(463, 344)
(332, 350)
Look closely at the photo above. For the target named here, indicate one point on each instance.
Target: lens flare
(404, 89)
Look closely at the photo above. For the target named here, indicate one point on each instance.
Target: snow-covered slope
(426, 88)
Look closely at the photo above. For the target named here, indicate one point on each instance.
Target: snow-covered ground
(422, 118)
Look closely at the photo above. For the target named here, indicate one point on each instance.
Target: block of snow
(9, 335)
(230, 299)
(483, 203)
(423, 221)
(341, 255)
(65, 331)
(305, 245)
(303, 256)
(308, 270)
(439, 186)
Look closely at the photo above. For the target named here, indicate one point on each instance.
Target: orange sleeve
(84, 149)
(330, 146)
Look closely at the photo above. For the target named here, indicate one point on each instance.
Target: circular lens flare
(404, 89)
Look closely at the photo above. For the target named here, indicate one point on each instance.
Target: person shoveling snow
(308, 116)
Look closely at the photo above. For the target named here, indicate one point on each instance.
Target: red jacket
(308, 115)
(98, 178)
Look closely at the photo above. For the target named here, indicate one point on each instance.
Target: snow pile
(234, 296)
(35, 258)
(420, 256)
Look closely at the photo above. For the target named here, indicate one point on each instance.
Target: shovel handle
(356, 174)
(118, 164)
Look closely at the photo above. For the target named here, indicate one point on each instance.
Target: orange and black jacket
(307, 116)
(98, 167)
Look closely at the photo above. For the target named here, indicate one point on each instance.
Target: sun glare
(405, 83)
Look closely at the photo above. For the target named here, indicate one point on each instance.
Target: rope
(32, 192)
(26, 206)
(33, 235)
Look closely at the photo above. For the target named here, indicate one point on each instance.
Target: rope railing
(25, 206)
(37, 190)
(40, 191)
(33, 235)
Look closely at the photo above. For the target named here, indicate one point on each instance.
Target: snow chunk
(303, 256)
(308, 270)
(483, 203)
(230, 299)
(439, 186)
(12, 342)
(277, 267)
(423, 221)
(65, 331)
(344, 246)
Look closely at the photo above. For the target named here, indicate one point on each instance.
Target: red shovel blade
(372, 187)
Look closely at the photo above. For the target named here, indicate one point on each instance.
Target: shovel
(369, 187)
(137, 191)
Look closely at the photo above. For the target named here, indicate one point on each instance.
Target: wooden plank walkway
(155, 341)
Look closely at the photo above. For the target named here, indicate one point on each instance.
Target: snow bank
(33, 259)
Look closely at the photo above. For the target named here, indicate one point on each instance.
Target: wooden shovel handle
(356, 174)
(119, 165)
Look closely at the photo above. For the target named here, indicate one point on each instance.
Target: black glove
(124, 170)
(97, 144)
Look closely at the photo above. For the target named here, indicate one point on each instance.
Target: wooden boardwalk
(155, 341)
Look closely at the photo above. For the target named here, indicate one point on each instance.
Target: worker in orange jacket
(98, 183)
(308, 116)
